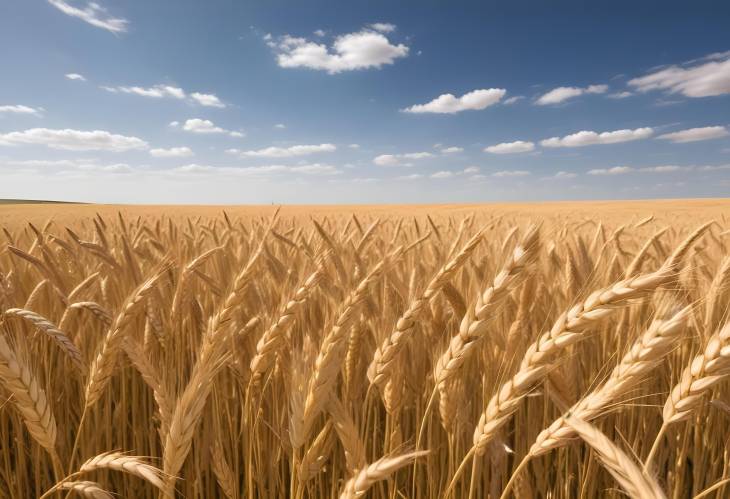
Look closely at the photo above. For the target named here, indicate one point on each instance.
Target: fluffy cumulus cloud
(709, 78)
(400, 159)
(696, 134)
(20, 109)
(511, 147)
(364, 49)
(452, 150)
(442, 174)
(75, 76)
(73, 140)
(198, 125)
(173, 152)
(168, 91)
(587, 138)
(93, 14)
(449, 104)
(616, 170)
(285, 152)
(561, 94)
(208, 100)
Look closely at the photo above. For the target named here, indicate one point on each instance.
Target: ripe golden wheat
(340, 355)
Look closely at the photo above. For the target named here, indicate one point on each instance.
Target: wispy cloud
(562, 94)
(173, 152)
(696, 134)
(160, 91)
(586, 138)
(20, 109)
(75, 76)
(93, 14)
(511, 173)
(285, 152)
(73, 140)
(449, 104)
(400, 159)
(616, 170)
(701, 80)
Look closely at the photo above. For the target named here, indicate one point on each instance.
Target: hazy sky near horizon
(223, 101)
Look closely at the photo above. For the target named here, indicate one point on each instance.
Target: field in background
(552, 350)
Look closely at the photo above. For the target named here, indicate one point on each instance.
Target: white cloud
(280, 126)
(621, 95)
(511, 147)
(162, 91)
(512, 100)
(398, 159)
(412, 176)
(354, 146)
(710, 168)
(703, 80)
(585, 138)
(616, 170)
(197, 125)
(288, 152)
(696, 134)
(511, 173)
(20, 109)
(563, 174)
(93, 14)
(450, 104)
(320, 33)
(383, 27)
(75, 76)
(665, 168)
(561, 94)
(471, 169)
(259, 171)
(442, 174)
(452, 150)
(315, 169)
(156, 91)
(173, 152)
(360, 50)
(73, 140)
(208, 100)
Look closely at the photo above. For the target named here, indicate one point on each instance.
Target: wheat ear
(332, 350)
(624, 469)
(61, 339)
(105, 361)
(570, 327)
(384, 357)
(475, 322)
(379, 470)
(29, 398)
(85, 488)
(659, 339)
(132, 465)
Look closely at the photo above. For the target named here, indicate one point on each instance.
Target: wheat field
(560, 351)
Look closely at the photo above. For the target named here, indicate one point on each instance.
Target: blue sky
(363, 102)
